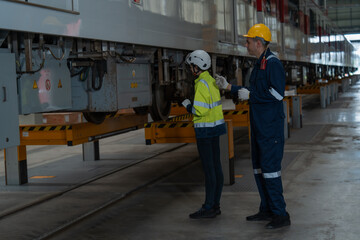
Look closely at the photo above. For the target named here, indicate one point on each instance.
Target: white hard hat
(199, 58)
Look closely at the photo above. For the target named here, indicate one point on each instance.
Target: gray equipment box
(134, 85)
(47, 90)
(9, 127)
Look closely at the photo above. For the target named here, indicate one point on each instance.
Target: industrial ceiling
(344, 13)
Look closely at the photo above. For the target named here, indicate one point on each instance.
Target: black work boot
(260, 216)
(217, 210)
(279, 221)
(203, 213)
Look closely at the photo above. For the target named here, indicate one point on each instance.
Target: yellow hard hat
(259, 30)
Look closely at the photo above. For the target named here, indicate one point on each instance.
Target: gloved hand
(221, 81)
(243, 94)
(186, 102)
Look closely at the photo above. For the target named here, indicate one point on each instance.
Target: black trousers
(209, 151)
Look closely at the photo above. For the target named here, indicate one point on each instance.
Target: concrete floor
(321, 176)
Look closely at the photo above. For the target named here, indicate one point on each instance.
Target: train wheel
(95, 117)
(160, 108)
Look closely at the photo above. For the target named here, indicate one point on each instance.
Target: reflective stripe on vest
(206, 84)
(209, 124)
(193, 111)
(206, 105)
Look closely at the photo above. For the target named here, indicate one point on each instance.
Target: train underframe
(57, 74)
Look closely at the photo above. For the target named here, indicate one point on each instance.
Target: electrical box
(47, 90)
(134, 85)
(9, 123)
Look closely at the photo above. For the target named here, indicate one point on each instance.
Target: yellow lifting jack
(87, 134)
(180, 129)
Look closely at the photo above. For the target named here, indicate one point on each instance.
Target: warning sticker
(47, 85)
(59, 84)
(35, 85)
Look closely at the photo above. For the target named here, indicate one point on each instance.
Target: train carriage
(101, 56)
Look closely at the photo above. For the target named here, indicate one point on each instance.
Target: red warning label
(47, 85)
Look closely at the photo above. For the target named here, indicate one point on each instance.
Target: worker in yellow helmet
(209, 124)
(265, 95)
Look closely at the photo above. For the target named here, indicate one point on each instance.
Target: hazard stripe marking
(235, 112)
(46, 128)
(169, 125)
(182, 117)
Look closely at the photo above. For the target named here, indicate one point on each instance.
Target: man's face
(251, 46)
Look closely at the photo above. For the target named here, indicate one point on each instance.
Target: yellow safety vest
(207, 108)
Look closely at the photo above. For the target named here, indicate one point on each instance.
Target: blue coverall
(267, 116)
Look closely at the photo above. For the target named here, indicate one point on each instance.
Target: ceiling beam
(338, 6)
(337, 18)
(344, 11)
(350, 30)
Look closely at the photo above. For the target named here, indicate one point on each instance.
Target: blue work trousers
(209, 151)
(266, 160)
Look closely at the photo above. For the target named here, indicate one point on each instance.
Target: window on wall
(193, 11)
(294, 12)
(313, 25)
(267, 7)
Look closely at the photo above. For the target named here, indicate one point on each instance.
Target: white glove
(221, 81)
(243, 94)
(186, 102)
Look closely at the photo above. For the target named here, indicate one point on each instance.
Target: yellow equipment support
(77, 133)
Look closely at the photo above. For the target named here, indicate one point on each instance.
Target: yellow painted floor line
(38, 177)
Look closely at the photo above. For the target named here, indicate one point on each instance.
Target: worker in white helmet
(209, 124)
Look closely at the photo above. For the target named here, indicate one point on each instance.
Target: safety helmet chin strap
(195, 69)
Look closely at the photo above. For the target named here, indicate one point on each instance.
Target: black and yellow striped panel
(181, 117)
(46, 128)
(243, 103)
(170, 125)
(113, 115)
(233, 112)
